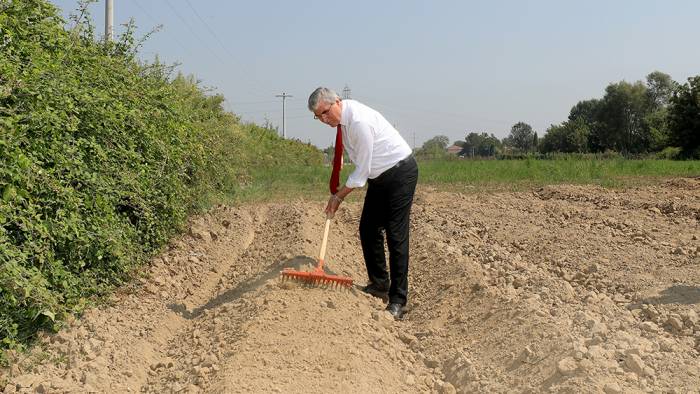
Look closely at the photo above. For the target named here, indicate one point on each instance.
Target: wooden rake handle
(324, 243)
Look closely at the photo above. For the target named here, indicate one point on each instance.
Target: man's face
(329, 113)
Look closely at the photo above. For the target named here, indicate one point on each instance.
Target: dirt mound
(564, 289)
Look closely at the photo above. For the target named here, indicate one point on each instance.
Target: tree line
(658, 115)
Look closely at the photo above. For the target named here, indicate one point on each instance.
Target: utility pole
(346, 92)
(284, 98)
(109, 20)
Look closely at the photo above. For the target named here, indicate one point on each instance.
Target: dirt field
(561, 289)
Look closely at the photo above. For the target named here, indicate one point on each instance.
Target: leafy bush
(102, 158)
(670, 153)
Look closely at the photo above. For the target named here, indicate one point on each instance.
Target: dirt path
(562, 289)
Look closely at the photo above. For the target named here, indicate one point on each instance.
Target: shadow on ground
(249, 285)
(676, 294)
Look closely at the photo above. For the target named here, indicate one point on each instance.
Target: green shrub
(669, 153)
(102, 158)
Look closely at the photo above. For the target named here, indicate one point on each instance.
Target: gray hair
(322, 95)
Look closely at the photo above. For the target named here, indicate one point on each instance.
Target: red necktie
(337, 160)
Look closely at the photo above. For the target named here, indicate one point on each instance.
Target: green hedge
(102, 158)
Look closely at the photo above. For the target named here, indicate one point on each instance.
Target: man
(383, 160)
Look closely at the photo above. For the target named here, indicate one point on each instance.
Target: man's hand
(332, 206)
(335, 200)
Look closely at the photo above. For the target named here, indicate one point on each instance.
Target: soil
(557, 289)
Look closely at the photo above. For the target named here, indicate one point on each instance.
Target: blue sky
(431, 67)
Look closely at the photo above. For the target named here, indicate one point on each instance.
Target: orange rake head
(316, 277)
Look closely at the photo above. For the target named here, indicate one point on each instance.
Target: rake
(318, 276)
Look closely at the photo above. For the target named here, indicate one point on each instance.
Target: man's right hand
(332, 206)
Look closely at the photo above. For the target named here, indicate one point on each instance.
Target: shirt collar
(345, 113)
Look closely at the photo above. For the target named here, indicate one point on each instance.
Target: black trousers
(387, 209)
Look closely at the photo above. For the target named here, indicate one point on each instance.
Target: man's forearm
(344, 191)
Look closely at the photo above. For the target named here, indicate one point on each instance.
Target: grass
(287, 183)
(528, 173)
(475, 175)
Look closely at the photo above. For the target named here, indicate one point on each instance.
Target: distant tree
(571, 136)
(535, 142)
(684, 118)
(480, 144)
(521, 136)
(657, 129)
(492, 145)
(434, 147)
(660, 89)
(553, 140)
(631, 117)
(619, 119)
(472, 144)
(508, 144)
(438, 142)
(585, 110)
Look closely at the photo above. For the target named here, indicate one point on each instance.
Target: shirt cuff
(354, 182)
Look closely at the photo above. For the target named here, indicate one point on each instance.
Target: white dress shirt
(372, 143)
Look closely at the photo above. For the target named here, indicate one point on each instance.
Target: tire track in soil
(329, 339)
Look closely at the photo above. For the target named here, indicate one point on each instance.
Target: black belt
(391, 170)
(403, 161)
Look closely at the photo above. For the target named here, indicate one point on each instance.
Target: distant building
(454, 150)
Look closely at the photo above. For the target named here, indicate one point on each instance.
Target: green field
(478, 175)
(519, 174)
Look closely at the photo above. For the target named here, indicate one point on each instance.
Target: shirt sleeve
(361, 137)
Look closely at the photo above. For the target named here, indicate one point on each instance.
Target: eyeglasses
(324, 113)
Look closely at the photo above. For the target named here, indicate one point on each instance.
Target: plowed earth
(562, 289)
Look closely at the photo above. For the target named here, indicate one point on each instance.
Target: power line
(194, 33)
(439, 113)
(250, 88)
(221, 43)
(252, 102)
(211, 31)
(290, 109)
(222, 61)
(158, 25)
(425, 119)
(299, 117)
(292, 106)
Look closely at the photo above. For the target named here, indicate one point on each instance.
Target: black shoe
(377, 291)
(396, 310)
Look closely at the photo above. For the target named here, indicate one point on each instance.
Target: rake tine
(316, 278)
